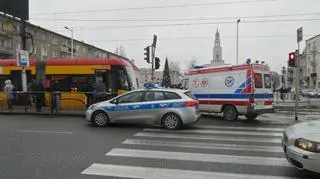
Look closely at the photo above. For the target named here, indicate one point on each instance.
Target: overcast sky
(180, 38)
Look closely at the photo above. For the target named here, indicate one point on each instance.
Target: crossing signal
(147, 54)
(157, 63)
(292, 59)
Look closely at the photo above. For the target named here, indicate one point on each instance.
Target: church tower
(217, 50)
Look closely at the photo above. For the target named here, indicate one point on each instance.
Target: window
(217, 56)
(43, 37)
(154, 96)
(189, 94)
(309, 46)
(1, 26)
(185, 84)
(171, 95)
(267, 81)
(131, 98)
(54, 40)
(258, 80)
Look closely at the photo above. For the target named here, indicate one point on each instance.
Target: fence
(51, 102)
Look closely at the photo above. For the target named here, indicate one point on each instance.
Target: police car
(169, 108)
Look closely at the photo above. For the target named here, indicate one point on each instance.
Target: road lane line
(202, 137)
(204, 131)
(199, 157)
(242, 128)
(202, 145)
(45, 132)
(124, 171)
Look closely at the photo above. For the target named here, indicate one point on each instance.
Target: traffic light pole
(297, 91)
(153, 51)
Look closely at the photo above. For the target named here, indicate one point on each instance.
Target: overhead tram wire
(193, 23)
(182, 19)
(188, 38)
(155, 7)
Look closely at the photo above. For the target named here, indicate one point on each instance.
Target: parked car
(169, 108)
(301, 145)
(311, 93)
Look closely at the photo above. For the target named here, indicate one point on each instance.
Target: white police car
(169, 108)
(301, 145)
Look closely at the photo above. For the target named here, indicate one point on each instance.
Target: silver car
(169, 108)
(301, 145)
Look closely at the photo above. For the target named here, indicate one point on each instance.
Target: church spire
(217, 39)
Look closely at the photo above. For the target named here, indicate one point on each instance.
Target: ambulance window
(267, 81)
(258, 80)
(185, 84)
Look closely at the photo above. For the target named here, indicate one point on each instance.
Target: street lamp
(238, 21)
(71, 30)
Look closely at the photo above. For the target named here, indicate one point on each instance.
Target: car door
(154, 102)
(127, 108)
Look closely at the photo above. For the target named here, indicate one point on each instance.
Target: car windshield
(159, 89)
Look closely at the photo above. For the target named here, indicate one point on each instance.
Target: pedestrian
(39, 90)
(55, 97)
(30, 90)
(8, 89)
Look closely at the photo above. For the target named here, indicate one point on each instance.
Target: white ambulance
(232, 90)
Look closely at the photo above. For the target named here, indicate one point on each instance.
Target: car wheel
(100, 119)
(230, 113)
(171, 121)
(251, 116)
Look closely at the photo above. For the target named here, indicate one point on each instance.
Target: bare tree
(121, 51)
(174, 66)
(192, 63)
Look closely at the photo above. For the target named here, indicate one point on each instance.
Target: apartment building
(43, 43)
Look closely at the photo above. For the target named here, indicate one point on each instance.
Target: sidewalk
(46, 111)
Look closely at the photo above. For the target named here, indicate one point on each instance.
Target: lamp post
(238, 21)
(71, 30)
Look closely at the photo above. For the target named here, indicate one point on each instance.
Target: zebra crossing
(205, 152)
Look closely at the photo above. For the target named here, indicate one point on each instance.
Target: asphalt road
(34, 147)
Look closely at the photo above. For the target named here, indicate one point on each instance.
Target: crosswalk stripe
(161, 173)
(243, 128)
(247, 160)
(204, 131)
(201, 145)
(202, 137)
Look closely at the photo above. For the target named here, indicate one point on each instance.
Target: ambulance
(232, 90)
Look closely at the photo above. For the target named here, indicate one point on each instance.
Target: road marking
(202, 137)
(242, 128)
(204, 131)
(161, 173)
(247, 160)
(45, 132)
(202, 145)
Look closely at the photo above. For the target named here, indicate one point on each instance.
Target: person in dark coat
(39, 94)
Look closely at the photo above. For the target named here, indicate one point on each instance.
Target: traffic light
(292, 59)
(157, 63)
(147, 54)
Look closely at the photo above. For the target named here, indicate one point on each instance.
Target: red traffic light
(292, 56)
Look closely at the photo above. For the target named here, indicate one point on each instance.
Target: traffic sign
(299, 34)
(22, 58)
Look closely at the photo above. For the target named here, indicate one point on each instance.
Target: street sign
(299, 34)
(22, 58)
(154, 42)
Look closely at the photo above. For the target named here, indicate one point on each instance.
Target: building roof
(313, 37)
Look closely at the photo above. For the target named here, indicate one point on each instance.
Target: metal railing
(51, 102)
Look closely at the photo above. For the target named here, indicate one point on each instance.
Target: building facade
(43, 43)
(309, 66)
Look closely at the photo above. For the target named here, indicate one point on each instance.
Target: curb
(41, 114)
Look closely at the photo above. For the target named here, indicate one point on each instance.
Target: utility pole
(299, 39)
(71, 30)
(153, 54)
(238, 21)
(23, 72)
